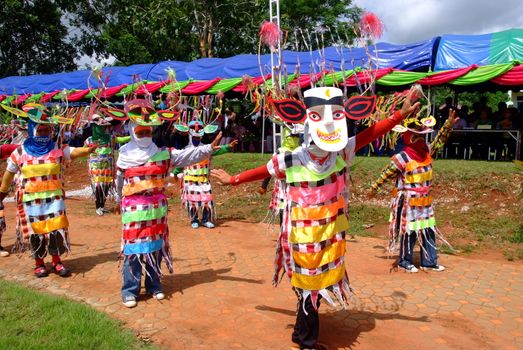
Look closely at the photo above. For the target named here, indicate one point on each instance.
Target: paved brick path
(220, 296)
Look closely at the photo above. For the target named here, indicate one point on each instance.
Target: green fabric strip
(290, 78)
(144, 215)
(27, 197)
(130, 88)
(91, 93)
(396, 78)
(35, 98)
(301, 174)
(224, 85)
(122, 139)
(103, 150)
(422, 224)
(336, 78)
(197, 172)
(176, 86)
(162, 155)
(482, 74)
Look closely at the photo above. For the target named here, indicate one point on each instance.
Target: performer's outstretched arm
(384, 126)
(388, 172)
(441, 138)
(255, 174)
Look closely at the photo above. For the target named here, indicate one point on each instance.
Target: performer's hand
(93, 148)
(233, 143)
(409, 106)
(222, 176)
(453, 117)
(216, 143)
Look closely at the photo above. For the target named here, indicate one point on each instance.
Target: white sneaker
(208, 224)
(159, 296)
(106, 210)
(4, 253)
(99, 212)
(130, 302)
(410, 269)
(438, 268)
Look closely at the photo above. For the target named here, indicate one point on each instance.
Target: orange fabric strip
(420, 201)
(42, 186)
(314, 260)
(141, 186)
(317, 213)
(414, 165)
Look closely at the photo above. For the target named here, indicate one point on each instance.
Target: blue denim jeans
(428, 252)
(132, 275)
(206, 215)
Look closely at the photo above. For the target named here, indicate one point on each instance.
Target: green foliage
(34, 320)
(469, 98)
(33, 39)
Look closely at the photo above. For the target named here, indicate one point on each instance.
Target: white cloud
(408, 21)
(88, 62)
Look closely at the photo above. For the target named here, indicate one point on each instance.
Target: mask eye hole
(314, 116)
(339, 115)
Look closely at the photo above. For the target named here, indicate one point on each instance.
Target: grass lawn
(479, 204)
(33, 320)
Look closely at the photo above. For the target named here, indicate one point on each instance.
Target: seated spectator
(444, 109)
(462, 122)
(506, 122)
(484, 122)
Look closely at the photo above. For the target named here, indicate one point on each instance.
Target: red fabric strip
(135, 233)
(199, 86)
(146, 170)
(512, 77)
(445, 77)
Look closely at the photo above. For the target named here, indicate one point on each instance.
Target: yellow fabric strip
(317, 213)
(314, 234)
(414, 164)
(141, 186)
(46, 226)
(420, 201)
(419, 178)
(40, 170)
(102, 179)
(42, 186)
(195, 178)
(320, 281)
(314, 260)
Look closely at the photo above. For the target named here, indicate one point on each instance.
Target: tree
(142, 31)
(33, 38)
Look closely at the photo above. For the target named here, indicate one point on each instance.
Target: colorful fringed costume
(40, 202)
(311, 244)
(39, 194)
(142, 169)
(197, 191)
(412, 214)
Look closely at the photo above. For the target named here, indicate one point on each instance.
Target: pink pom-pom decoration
(220, 95)
(371, 26)
(269, 33)
(247, 82)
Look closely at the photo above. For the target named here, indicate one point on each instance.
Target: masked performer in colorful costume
(412, 215)
(311, 245)
(142, 169)
(196, 191)
(41, 214)
(101, 162)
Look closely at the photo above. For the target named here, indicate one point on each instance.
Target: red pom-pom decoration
(371, 26)
(269, 33)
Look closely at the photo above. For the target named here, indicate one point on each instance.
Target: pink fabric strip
(197, 197)
(55, 153)
(317, 195)
(142, 200)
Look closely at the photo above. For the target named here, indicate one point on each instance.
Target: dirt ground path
(221, 297)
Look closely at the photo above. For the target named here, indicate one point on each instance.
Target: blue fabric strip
(143, 248)
(45, 208)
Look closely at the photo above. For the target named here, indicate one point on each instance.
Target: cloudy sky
(409, 21)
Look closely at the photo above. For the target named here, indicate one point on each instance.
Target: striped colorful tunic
(311, 245)
(144, 204)
(197, 190)
(40, 197)
(411, 204)
(144, 210)
(101, 165)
